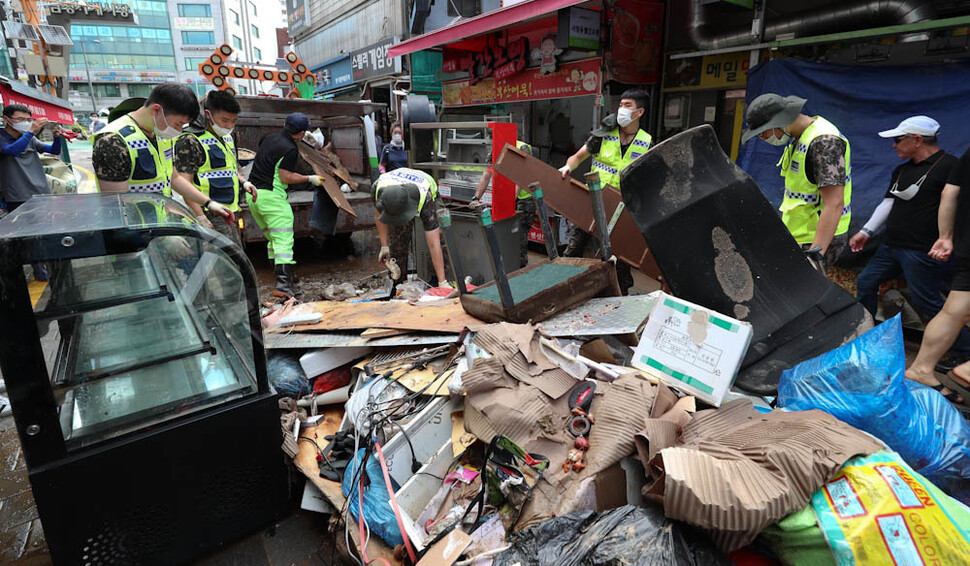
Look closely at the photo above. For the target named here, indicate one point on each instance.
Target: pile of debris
(624, 430)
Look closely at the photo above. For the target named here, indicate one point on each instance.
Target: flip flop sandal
(952, 396)
(954, 383)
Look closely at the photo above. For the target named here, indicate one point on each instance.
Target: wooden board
(339, 170)
(306, 462)
(439, 316)
(371, 333)
(322, 168)
(571, 198)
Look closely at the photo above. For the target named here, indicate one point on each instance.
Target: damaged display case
(137, 379)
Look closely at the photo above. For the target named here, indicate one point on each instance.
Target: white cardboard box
(691, 348)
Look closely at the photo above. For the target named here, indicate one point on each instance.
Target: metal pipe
(599, 214)
(544, 222)
(854, 15)
(495, 256)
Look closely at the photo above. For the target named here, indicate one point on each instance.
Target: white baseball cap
(914, 125)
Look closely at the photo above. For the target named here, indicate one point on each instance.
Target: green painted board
(530, 283)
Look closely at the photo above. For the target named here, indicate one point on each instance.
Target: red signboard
(634, 56)
(578, 78)
(38, 108)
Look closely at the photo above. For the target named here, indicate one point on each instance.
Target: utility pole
(87, 69)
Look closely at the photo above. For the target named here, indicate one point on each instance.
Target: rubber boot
(284, 280)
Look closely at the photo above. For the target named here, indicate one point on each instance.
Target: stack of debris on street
(687, 427)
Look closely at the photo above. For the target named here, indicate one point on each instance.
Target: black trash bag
(625, 536)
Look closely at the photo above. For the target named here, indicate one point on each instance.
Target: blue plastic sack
(377, 508)
(862, 383)
(286, 374)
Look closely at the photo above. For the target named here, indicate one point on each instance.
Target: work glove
(385, 254)
(565, 170)
(204, 221)
(315, 180)
(345, 188)
(251, 189)
(221, 210)
(445, 285)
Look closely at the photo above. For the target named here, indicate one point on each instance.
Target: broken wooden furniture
(138, 380)
(721, 244)
(570, 198)
(539, 291)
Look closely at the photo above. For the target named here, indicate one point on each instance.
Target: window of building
(236, 42)
(253, 8)
(234, 16)
(255, 31)
(243, 90)
(100, 90)
(139, 90)
(192, 63)
(257, 53)
(195, 11)
(198, 37)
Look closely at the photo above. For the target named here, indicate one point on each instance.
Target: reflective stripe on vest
(218, 178)
(151, 167)
(610, 160)
(404, 176)
(802, 202)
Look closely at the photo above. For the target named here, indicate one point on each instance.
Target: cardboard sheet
(734, 471)
(447, 550)
(322, 167)
(440, 316)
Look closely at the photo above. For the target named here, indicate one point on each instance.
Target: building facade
(171, 39)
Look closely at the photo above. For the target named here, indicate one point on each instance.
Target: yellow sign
(727, 70)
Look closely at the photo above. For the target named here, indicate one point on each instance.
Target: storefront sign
(634, 56)
(334, 75)
(579, 78)
(579, 29)
(372, 61)
(200, 24)
(89, 9)
(297, 15)
(727, 70)
(38, 108)
(497, 61)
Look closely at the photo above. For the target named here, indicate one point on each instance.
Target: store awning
(41, 104)
(490, 21)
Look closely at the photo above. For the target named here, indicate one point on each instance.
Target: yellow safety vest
(151, 167)
(803, 203)
(610, 159)
(218, 178)
(404, 176)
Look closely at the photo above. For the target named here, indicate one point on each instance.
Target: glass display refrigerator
(137, 380)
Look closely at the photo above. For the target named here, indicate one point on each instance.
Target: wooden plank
(381, 333)
(570, 198)
(439, 316)
(322, 168)
(306, 462)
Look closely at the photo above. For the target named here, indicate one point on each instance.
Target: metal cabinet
(137, 380)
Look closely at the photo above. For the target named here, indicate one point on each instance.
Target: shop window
(198, 37)
(195, 11)
(236, 42)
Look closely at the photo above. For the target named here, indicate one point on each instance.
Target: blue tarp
(861, 101)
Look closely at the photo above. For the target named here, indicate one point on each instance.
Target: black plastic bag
(625, 536)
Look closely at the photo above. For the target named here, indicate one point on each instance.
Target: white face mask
(624, 117)
(23, 127)
(397, 138)
(165, 134)
(782, 141)
(217, 128)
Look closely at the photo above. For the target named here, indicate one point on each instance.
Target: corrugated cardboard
(734, 471)
(619, 413)
(691, 348)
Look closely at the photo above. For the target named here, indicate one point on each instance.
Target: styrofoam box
(415, 495)
(323, 360)
(692, 348)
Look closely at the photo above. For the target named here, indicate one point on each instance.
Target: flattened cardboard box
(692, 348)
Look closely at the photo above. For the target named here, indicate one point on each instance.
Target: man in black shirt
(951, 322)
(274, 169)
(909, 211)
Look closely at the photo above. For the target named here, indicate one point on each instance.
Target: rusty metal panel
(571, 198)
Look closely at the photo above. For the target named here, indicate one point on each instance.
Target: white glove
(565, 170)
(315, 180)
(251, 189)
(445, 285)
(345, 188)
(385, 254)
(203, 220)
(221, 210)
